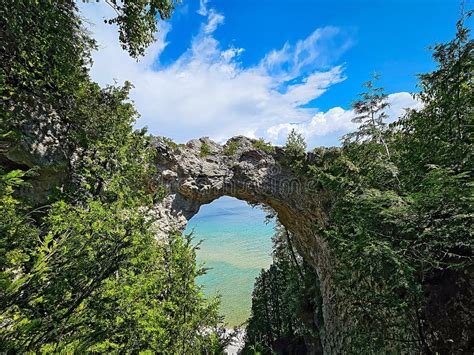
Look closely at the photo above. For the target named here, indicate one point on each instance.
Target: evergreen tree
(370, 115)
(80, 268)
(285, 301)
(295, 151)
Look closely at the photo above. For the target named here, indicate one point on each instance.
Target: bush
(262, 145)
(205, 150)
(295, 144)
(231, 148)
(170, 143)
(294, 151)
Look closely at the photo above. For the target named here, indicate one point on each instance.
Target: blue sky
(260, 68)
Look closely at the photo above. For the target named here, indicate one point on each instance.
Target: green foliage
(159, 310)
(262, 145)
(44, 58)
(205, 150)
(170, 143)
(137, 22)
(85, 272)
(82, 248)
(92, 276)
(295, 151)
(295, 144)
(370, 111)
(17, 230)
(101, 282)
(231, 148)
(286, 304)
(399, 221)
(441, 134)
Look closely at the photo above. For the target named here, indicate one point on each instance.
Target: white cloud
(319, 49)
(202, 7)
(215, 19)
(111, 62)
(313, 86)
(399, 102)
(337, 120)
(230, 53)
(208, 92)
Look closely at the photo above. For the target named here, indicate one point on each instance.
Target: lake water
(236, 246)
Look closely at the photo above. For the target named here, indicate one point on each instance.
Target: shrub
(295, 151)
(262, 145)
(205, 150)
(231, 148)
(295, 144)
(170, 143)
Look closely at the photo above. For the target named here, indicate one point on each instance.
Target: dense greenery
(82, 271)
(285, 300)
(80, 267)
(400, 210)
(408, 214)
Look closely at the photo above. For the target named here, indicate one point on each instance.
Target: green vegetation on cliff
(82, 271)
(80, 267)
(399, 222)
(286, 304)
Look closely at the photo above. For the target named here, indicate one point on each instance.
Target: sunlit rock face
(201, 171)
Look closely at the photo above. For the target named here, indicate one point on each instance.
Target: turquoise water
(236, 246)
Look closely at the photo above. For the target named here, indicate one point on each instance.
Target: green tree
(137, 22)
(398, 239)
(285, 304)
(80, 267)
(370, 115)
(295, 151)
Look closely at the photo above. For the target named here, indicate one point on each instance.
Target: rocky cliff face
(201, 171)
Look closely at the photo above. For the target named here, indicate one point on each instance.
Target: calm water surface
(236, 246)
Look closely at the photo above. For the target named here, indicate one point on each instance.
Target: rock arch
(194, 176)
(201, 171)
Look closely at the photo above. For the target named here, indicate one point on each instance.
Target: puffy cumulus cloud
(208, 92)
(399, 103)
(338, 121)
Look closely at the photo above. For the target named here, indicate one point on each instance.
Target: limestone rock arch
(201, 171)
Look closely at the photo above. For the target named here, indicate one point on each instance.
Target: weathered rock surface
(41, 146)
